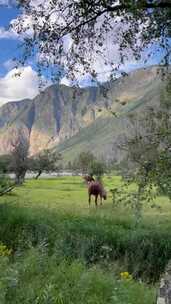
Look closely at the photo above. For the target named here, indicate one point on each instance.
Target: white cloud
(13, 87)
(66, 81)
(82, 81)
(8, 34)
(8, 3)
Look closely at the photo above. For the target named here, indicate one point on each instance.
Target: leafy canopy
(70, 36)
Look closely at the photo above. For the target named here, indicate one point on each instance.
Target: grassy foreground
(65, 252)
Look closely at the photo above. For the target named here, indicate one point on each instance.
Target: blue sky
(7, 14)
(13, 88)
(8, 47)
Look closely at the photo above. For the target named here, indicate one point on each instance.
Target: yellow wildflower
(4, 251)
(125, 275)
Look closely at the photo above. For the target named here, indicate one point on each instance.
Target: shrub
(34, 277)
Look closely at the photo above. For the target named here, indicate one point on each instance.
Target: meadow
(61, 251)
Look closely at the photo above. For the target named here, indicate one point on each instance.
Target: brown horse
(96, 189)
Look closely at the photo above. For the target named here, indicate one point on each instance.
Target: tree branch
(7, 190)
(143, 5)
(116, 8)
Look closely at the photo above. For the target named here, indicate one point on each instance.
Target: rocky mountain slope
(75, 119)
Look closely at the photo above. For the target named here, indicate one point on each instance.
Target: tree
(68, 36)
(4, 163)
(87, 163)
(97, 168)
(148, 148)
(162, 172)
(19, 160)
(6, 185)
(46, 161)
(83, 161)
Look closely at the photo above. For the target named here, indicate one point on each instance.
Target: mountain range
(73, 119)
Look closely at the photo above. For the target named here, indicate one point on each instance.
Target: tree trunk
(38, 174)
(20, 177)
(17, 179)
(138, 205)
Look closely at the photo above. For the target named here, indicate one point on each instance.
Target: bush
(6, 185)
(4, 182)
(34, 277)
(97, 168)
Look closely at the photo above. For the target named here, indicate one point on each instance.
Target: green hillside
(102, 136)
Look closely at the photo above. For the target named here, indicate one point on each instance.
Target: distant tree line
(19, 162)
(87, 163)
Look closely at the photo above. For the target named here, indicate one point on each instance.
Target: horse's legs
(89, 199)
(100, 200)
(96, 196)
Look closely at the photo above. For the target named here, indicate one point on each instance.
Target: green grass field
(64, 251)
(68, 196)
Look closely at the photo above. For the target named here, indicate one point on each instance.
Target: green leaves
(88, 23)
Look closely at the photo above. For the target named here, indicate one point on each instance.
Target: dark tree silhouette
(83, 161)
(19, 160)
(46, 161)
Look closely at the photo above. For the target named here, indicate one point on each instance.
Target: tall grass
(142, 251)
(37, 278)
